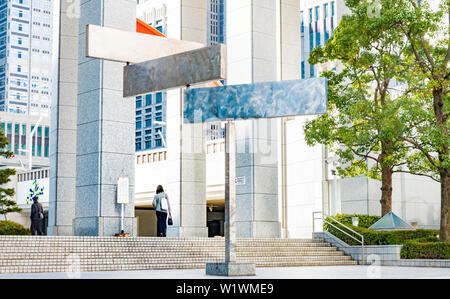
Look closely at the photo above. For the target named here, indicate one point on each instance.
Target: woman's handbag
(170, 221)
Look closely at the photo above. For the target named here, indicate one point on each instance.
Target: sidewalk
(335, 272)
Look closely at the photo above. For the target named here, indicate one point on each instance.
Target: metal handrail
(323, 218)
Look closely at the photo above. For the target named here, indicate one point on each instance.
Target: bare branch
(420, 174)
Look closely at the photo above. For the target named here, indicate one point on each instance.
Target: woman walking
(162, 207)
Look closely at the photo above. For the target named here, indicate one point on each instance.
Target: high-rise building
(26, 56)
(151, 108)
(318, 20)
(216, 22)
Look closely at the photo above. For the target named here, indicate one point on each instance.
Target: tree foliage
(363, 126)
(6, 204)
(389, 105)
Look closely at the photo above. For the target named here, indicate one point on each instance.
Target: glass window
(302, 23)
(148, 100)
(317, 38)
(311, 71)
(138, 104)
(303, 70)
(148, 123)
(159, 97)
(46, 141)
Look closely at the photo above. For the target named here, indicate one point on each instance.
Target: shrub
(12, 228)
(419, 249)
(372, 237)
(365, 221)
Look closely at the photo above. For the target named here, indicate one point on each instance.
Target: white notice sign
(240, 181)
(123, 190)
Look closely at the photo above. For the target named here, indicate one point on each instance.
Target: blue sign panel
(259, 100)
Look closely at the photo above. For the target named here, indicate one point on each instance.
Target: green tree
(427, 56)
(363, 125)
(6, 204)
(407, 42)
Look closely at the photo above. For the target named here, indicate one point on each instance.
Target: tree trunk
(386, 179)
(441, 120)
(386, 190)
(444, 233)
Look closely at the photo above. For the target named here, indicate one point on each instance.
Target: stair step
(25, 254)
(166, 266)
(40, 256)
(109, 261)
(5, 243)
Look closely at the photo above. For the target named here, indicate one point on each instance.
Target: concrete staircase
(38, 254)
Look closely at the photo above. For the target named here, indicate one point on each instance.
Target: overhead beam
(187, 68)
(131, 47)
(259, 100)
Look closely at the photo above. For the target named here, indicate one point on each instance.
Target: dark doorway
(213, 228)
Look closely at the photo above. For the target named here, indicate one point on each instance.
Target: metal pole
(363, 257)
(30, 143)
(30, 152)
(230, 192)
(121, 219)
(313, 227)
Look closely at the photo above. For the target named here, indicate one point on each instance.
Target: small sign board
(258, 100)
(123, 187)
(240, 181)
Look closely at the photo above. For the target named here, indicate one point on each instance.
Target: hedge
(417, 244)
(372, 237)
(12, 228)
(364, 221)
(414, 249)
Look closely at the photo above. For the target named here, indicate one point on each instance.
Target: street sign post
(169, 64)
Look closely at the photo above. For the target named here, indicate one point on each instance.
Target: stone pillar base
(104, 226)
(230, 269)
(60, 230)
(187, 232)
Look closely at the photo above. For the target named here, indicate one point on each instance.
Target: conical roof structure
(390, 221)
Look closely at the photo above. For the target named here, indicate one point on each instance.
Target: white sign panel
(26, 190)
(125, 46)
(240, 181)
(123, 191)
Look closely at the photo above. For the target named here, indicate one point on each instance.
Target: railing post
(363, 256)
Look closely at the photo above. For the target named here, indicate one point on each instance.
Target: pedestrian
(162, 207)
(36, 216)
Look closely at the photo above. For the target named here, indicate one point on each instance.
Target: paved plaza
(326, 272)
